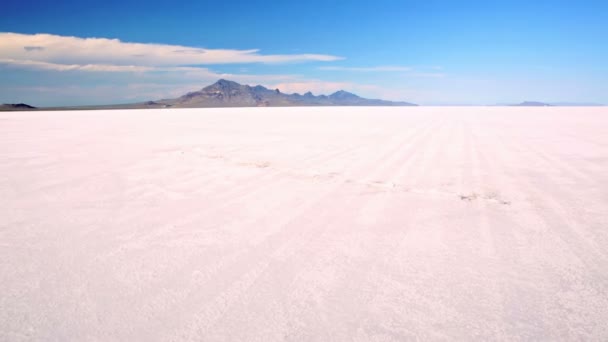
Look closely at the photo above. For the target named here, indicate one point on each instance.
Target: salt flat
(301, 224)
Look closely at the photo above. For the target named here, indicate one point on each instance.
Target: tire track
(322, 235)
(574, 259)
(206, 320)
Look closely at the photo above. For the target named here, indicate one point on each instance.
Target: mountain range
(224, 93)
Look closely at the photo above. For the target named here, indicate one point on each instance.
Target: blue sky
(428, 52)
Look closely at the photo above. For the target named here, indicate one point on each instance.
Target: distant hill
(15, 106)
(555, 104)
(532, 104)
(577, 104)
(224, 93)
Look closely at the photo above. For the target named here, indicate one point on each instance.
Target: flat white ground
(304, 224)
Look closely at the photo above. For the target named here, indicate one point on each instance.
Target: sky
(55, 53)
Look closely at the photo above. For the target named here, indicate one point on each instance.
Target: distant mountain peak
(225, 81)
(222, 83)
(341, 94)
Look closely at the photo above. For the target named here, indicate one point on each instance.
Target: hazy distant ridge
(15, 106)
(555, 104)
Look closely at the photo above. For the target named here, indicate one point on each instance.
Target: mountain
(15, 106)
(224, 93)
(551, 104)
(532, 104)
(577, 104)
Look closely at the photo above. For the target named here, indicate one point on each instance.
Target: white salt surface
(303, 224)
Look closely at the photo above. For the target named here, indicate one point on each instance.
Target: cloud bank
(34, 49)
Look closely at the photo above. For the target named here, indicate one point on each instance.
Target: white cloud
(100, 52)
(73, 67)
(316, 87)
(386, 68)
